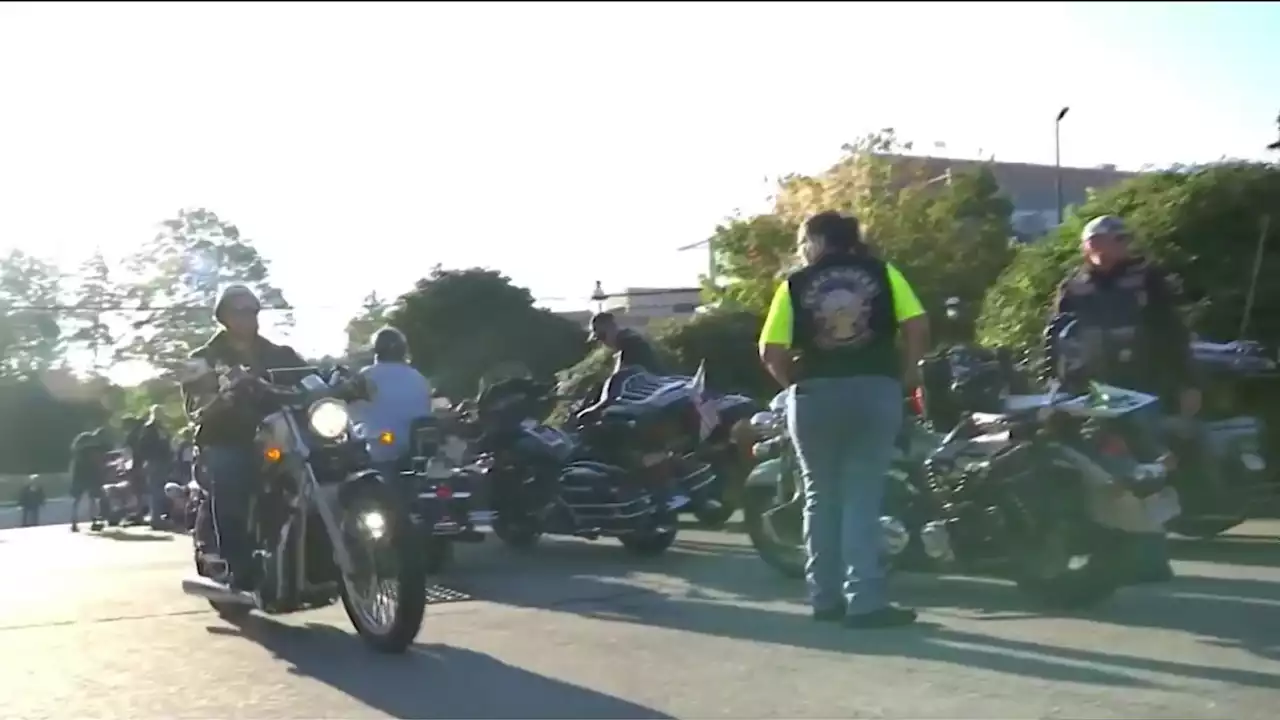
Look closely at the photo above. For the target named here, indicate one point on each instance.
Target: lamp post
(598, 296)
(1057, 158)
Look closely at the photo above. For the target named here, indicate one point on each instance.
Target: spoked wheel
(1064, 567)
(775, 527)
(385, 595)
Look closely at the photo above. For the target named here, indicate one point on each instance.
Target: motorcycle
(437, 485)
(123, 504)
(716, 439)
(1238, 378)
(609, 478)
(326, 526)
(1034, 492)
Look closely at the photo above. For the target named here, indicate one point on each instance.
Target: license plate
(445, 526)
(1253, 462)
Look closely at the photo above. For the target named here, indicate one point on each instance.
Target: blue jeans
(230, 475)
(843, 430)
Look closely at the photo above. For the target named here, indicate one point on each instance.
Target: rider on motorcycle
(226, 432)
(401, 395)
(632, 354)
(1134, 336)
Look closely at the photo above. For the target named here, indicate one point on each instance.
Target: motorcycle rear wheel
(1046, 573)
(398, 552)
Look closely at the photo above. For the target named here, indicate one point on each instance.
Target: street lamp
(598, 296)
(711, 256)
(1057, 159)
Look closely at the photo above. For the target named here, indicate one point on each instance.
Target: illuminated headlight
(1253, 462)
(766, 425)
(329, 418)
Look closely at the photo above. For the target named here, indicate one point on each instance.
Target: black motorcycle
(438, 487)
(326, 526)
(611, 477)
(714, 440)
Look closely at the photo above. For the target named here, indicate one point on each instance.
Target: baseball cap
(1104, 225)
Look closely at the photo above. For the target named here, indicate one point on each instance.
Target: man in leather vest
(1134, 338)
(226, 433)
(831, 338)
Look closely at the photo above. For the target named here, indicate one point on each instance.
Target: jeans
(157, 476)
(843, 430)
(230, 475)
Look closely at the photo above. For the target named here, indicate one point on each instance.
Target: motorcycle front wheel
(385, 595)
(774, 529)
(1065, 567)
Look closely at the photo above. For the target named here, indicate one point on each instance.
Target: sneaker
(889, 616)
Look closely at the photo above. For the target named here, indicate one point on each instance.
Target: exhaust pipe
(210, 590)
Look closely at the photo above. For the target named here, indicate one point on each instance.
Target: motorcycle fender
(766, 474)
(359, 480)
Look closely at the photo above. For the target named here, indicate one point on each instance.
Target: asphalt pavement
(95, 626)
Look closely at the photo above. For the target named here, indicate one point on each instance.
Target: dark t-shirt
(634, 350)
(88, 455)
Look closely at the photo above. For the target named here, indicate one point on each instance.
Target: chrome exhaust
(210, 590)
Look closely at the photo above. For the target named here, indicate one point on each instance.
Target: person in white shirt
(400, 395)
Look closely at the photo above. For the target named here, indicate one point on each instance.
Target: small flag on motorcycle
(708, 415)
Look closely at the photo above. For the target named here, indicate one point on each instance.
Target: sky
(361, 144)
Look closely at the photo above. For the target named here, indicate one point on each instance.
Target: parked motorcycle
(611, 477)
(326, 526)
(716, 439)
(1035, 492)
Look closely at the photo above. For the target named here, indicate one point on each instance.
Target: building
(641, 308)
(1031, 188)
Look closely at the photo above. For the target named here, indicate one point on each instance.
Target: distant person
(88, 471)
(155, 456)
(630, 347)
(31, 500)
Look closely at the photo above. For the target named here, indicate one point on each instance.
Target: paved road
(96, 627)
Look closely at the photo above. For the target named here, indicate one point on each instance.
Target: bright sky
(565, 143)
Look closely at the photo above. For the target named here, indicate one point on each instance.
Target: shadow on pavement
(126, 536)
(1233, 549)
(431, 681)
(703, 590)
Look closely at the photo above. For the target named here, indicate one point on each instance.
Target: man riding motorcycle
(1135, 338)
(401, 395)
(632, 354)
(225, 432)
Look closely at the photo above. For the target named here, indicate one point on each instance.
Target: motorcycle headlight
(766, 425)
(328, 418)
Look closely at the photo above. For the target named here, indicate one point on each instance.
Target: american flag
(708, 413)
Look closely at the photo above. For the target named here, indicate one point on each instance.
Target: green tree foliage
(360, 329)
(949, 234)
(53, 409)
(31, 338)
(95, 293)
(181, 271)
(725, 340)
(1203, 227)
(462, 324)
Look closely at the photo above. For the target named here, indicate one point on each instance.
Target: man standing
(88, 470)
(31, 500)
(831, 339)
(155, 456)
(1135, 339)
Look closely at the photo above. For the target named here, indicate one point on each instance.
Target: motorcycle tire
(788, 561)
(1069, 588)
(404, 543)
(520, 535)
(438, 555)
(648, 544)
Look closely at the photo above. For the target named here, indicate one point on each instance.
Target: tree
(181, 272)
(461, 324)
(373, 315)
(31, 339)
(95, 294)
(949, 238)
(751, 255)
(725, 340)
(1203, 227)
